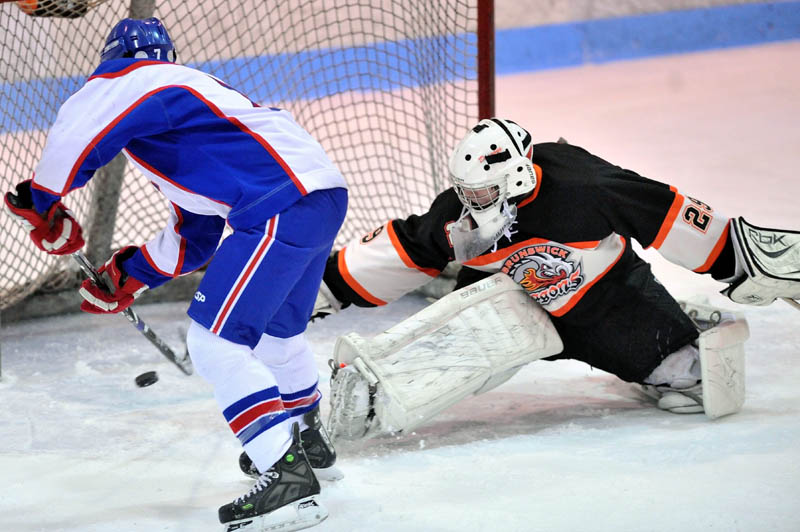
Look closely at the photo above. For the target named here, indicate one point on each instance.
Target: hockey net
(387, 87)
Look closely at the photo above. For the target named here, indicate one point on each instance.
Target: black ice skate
(318, 448)
(284, 497)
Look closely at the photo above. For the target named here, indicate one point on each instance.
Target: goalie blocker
(475, 339)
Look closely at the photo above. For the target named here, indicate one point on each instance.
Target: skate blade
(300, 514)
(329, 474)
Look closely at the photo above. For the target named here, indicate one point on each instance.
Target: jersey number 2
(698, 215)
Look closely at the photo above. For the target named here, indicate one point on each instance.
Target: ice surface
(560, 447)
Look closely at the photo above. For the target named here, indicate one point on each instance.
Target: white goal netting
(387, 87)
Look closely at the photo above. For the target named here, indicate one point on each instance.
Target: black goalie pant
(633, 331)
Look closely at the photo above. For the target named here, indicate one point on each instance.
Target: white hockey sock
(238, 377)
(291, 362)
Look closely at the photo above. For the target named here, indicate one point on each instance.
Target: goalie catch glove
(326, 303)
(56, 231)
(767, 264)
(120, 291)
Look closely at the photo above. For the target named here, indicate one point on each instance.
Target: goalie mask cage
(387, 87)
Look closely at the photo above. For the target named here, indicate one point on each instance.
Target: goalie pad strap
(770, 261)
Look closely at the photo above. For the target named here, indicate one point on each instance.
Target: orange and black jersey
(570, 245)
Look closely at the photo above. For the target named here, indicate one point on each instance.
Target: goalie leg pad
(468, 342)
(721, 389)
(720, 351)
(770, 260)
(722, 366)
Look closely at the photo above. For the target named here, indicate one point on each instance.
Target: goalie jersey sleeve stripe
(378, 269)
(669, 220)
(352, 283)
(401, 252)
(692, 235)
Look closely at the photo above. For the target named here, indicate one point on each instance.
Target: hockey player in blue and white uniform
(218, 158)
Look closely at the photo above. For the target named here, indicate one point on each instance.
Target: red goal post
(387, 87)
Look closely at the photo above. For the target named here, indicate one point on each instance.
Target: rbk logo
(770, 239)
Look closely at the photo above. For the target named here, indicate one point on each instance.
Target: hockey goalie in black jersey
(558, 221)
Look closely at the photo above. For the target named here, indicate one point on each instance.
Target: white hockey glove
(767, 264)
(326, 304)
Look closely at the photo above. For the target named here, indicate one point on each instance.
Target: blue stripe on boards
(271, 78)
(614, 39)
(388, 65)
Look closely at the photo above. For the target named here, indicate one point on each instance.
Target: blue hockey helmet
(144, 39)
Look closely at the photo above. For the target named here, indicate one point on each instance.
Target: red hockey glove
(123, 288)
(56, 231)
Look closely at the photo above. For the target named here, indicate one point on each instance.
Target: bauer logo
(199, 297)
(477, 288)
(544, 271)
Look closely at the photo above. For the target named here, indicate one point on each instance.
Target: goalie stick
(183, 363)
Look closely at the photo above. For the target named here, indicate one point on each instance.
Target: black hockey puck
(146, 379)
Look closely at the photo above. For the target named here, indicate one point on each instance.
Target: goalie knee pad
(769, 262)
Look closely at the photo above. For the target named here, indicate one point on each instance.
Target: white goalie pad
(770, 259)
(721, 345)
(468, 342)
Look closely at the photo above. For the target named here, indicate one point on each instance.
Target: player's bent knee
(213, 357)
(275, 351)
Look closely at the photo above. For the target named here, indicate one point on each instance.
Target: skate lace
(264, 481)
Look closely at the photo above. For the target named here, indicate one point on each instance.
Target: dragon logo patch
(544, 271)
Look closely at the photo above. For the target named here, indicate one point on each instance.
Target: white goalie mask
(488, 167)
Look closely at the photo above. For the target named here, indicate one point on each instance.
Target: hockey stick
(184, 363)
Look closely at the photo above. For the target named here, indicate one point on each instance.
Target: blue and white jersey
(211, 151)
